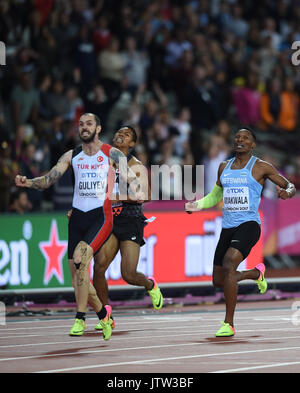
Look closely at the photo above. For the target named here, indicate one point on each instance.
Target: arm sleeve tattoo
(43, 182)
(46, 181)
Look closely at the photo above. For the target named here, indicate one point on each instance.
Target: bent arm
(142, 174)
(46, 181)
(126, 176)
(285, 189)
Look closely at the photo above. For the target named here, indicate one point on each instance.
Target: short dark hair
(252, 132)
(96, 118)
(134, 134)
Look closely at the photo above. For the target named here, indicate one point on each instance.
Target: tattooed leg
(93, 299)
(82, 256)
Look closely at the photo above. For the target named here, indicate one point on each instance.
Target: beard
(88, 138)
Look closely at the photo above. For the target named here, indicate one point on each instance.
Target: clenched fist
(21, 181)
(282, 193)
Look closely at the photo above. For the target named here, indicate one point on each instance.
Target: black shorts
(93, 227)
(129, 228)
(243, 238)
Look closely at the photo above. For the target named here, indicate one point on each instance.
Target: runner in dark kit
(128, 230)
(240, 183)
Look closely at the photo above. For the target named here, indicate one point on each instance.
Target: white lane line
(81, 341)
(168, 318)
(140, 323)
(134, 348)
(123, 322)
(153, 336)
(234, 370)
(145, 361)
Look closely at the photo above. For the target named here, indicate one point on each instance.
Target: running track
(173, 340)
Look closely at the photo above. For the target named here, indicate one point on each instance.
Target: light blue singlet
(241, 195)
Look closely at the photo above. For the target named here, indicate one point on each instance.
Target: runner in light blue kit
(241, 194)
(240, 183)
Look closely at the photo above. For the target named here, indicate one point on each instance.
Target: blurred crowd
(185, 74)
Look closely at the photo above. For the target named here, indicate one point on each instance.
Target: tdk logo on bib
(236, 199)
(235, 191)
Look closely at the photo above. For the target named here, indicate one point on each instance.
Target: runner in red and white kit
(91, 223)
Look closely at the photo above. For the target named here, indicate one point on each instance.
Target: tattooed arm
(43, 182)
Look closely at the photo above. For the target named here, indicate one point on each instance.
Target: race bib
(236, 199)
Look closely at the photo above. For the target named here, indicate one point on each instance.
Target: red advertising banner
(288, 221)
(281, 226)
(180, 248)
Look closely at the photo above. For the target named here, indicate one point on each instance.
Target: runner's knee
(82, 255)
(218, 282)
(128, 275)
(228, 265)
(99, 269)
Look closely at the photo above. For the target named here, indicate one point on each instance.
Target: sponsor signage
(179, 249)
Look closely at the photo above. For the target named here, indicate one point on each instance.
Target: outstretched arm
(43, 182)
(211, 199)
